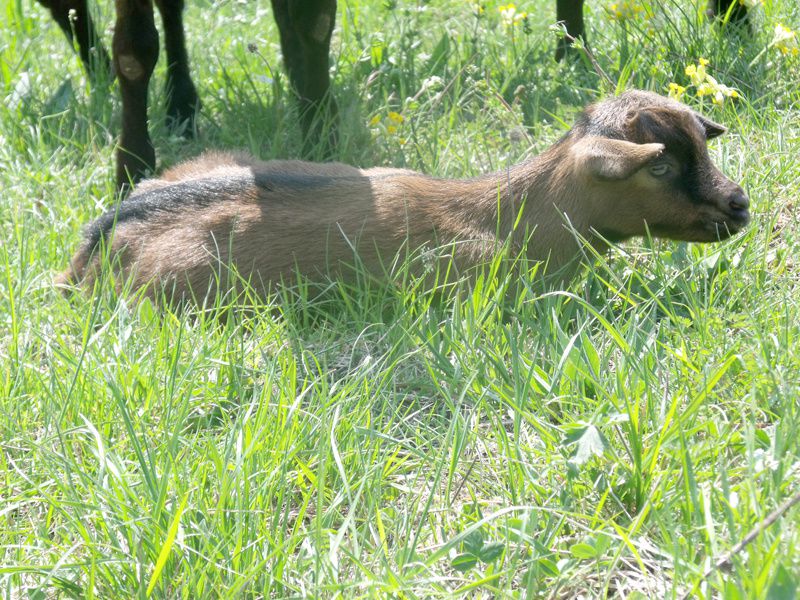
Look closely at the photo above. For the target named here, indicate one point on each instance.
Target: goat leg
(305, 32)
(570, 13)
(182, 100)
(75, 21)
(718, 9)
(135, 50)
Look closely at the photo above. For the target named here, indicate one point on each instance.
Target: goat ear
(610, 159)
(711, 128)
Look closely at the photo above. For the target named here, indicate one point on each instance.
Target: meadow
(619, 437)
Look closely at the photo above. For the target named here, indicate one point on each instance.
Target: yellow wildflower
(697, 73)
(676, 91)
(705, 89)
(717, 91)
(723, 91)
(705, 84)
(389, 123)
(626, 10)
(785, 40)
(510, 16)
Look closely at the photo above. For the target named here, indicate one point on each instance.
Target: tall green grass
(614, 438)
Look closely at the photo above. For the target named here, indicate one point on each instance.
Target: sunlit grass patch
(378, 438)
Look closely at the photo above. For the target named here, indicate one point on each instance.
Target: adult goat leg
(182, 99)
(135, 50)
(75, 21)
(305, 32)
(717, 9)
(570, 13)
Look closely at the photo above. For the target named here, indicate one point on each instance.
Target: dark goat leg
(182, 100)
(78, 26)
(135, 51)
(305, 31)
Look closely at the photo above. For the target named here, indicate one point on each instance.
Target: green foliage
(381, 439)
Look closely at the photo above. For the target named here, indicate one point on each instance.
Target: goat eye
(660, 169)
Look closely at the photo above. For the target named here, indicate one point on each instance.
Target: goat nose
(738, 201)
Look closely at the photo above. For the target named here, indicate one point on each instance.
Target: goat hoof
(182, 109)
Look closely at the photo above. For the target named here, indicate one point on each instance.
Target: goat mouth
(728, 226)
(739, 217)
(711, 229)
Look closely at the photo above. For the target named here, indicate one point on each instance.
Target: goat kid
(631, 165)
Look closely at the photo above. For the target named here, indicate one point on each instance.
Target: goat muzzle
(738, 207)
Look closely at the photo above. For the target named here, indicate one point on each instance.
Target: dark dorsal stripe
(174, 198)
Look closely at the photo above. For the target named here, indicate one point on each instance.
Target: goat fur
(604, 180)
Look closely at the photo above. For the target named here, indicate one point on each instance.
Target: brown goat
(633, 164)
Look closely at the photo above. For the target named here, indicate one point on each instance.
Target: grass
(615, 438)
